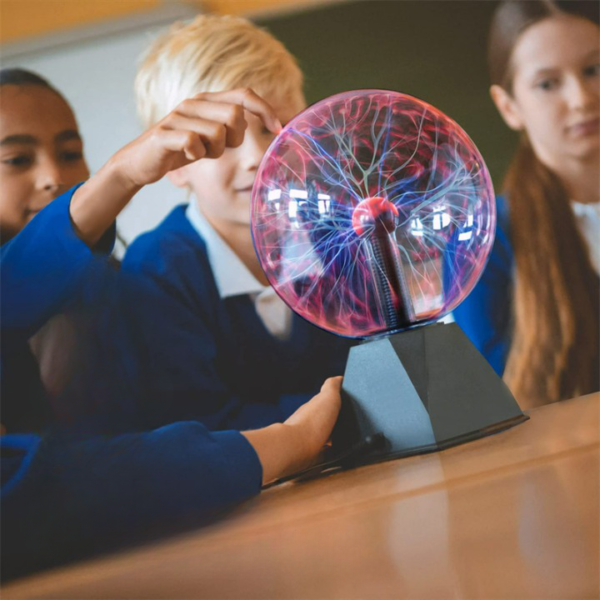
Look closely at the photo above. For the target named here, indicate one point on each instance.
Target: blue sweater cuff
(241, 462)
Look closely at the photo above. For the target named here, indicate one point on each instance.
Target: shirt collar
(590, 210)
(231, 275)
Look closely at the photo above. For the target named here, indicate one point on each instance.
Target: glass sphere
(372, 211)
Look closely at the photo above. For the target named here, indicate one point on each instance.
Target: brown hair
(555, 350)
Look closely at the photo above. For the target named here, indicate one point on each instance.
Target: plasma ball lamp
(336, 165)
(373, 214)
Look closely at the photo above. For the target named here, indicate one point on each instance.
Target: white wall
(96, 76)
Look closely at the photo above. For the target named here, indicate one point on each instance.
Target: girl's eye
(592, 70)
(71, 156)
(22, 160)
(547, 84)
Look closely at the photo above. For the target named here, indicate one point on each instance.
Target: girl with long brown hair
(535, 312)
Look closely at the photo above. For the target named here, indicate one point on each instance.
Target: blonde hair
(212, 53)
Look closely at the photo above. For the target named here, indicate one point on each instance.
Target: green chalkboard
(432, 49)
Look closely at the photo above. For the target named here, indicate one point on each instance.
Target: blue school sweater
(66, 495)
(35, 288)
(485, 314)
(199, 356)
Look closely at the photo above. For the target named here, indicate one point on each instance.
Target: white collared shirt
(588, 220)
(234, 279)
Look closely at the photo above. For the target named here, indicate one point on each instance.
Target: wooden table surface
(512, 516)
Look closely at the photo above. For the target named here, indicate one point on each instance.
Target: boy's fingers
(187, 142)
(331, 393)
(212, 133)
(259, 107)
(251, 102)
(328, 398)
(230, 115)
(332, 385)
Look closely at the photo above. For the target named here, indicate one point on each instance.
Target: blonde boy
(213, 341)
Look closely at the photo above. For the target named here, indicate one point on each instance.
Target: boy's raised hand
(200, 127)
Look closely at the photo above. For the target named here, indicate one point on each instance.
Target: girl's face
(41, 153)
(556, 90)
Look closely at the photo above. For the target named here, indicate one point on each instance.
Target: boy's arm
(101, 492)
(286, 448)
(106, 490)
(41, 270)
(201, 127)
(43, 265)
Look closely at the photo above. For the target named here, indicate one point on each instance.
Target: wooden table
(512, 516)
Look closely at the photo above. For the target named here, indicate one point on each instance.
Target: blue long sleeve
(485, 315)
(66, 495)
(47, 270)
(66, 498)
(42, 270)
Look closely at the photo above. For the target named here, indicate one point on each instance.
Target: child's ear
(507, 107)
(179, 177)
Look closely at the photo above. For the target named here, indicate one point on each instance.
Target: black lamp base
(418, 391)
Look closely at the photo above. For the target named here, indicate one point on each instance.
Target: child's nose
(49, 175)
(582, 94)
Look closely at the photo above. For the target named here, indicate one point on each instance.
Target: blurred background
(432, 49)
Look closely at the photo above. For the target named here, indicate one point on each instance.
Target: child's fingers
(212, 133)
(251, 102)
(330, 399)
(322, 408)
(330, 393)
(332, 385)
(187, 142)
(317, 417)
(229, 115)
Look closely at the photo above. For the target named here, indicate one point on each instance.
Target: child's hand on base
(286, 448)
